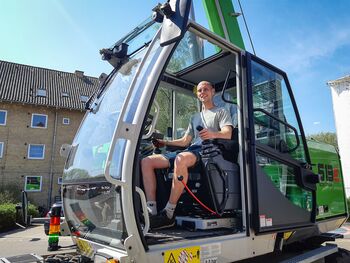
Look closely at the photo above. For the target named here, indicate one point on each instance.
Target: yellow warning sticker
(183, 255)
(84, 247)
(287, 235)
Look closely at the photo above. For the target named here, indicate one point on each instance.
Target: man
(216, 123)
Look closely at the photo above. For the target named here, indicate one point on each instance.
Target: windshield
(140, 35)
(90, 147)
(92, 205)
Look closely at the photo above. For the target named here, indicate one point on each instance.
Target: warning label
(183, 255)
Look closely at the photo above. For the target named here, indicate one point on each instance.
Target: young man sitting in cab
(216, 123)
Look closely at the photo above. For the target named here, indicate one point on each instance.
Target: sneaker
(161, 221)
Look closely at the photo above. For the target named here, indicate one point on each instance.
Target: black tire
(342, 256)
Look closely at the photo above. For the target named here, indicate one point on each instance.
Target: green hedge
(8, 214)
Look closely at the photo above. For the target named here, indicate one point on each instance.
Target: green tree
(326, 137)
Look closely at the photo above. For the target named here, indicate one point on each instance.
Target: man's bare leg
(148, 165)
(183, 161)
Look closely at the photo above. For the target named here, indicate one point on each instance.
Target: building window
(3, 117)
(33, 183)
(39, 121)
(65, 121)
(84, 98)
(1, 149)
(65, 94)
(41, 92)
(36, 151)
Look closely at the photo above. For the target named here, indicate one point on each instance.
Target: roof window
(84, 98)
(41, 92)
(65, 94)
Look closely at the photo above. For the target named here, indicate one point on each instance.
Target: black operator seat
(219, 169)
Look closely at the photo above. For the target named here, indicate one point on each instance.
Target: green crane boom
(222, 21)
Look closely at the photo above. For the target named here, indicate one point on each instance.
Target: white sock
(170, 209)
(152, 207)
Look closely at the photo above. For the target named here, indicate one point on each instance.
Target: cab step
(313, 255)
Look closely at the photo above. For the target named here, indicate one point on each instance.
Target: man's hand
(158, 143)
(206, 134)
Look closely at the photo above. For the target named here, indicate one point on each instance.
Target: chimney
(102, 77)
(80, 74)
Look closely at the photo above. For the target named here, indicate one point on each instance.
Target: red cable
(195, 197)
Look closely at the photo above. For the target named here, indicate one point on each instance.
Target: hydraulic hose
(180, 178)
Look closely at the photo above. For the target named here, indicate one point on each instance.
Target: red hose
(195, 197)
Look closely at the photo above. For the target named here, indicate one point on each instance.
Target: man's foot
(161, 221)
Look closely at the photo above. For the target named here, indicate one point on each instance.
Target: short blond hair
(205, 82)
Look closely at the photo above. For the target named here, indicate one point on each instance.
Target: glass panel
(271, 97)
(36, 151)
(283, 177)
(3, 117)
(190, 50)
(41, 93)
(144, 75)
(1, 149)
(39, 121)
(90, 147)
(95, 213)
(66, 121)
(186, 105)
(140, 35)
(164, 99)
(84, 98)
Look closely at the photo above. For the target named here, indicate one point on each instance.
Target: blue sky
(310, 40)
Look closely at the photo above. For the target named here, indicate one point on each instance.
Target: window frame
(41, 93)
(259, 197)
(35, 158)
(2, 149)
(65, 118)
(25, 183)
(5, 120)
(38, 127)
(64, 94)
(251, 57)
(84, 98)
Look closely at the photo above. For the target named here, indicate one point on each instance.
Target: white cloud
(302, 48)
(317, 122)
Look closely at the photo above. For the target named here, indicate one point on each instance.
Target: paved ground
(345, 231)
(30, 240)
(34, 240)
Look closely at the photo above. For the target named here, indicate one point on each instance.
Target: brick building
(40, 109)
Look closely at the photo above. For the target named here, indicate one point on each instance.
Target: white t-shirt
(213, 119)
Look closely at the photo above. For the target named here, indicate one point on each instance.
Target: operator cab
(174, 102)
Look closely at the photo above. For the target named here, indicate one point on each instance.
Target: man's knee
(154, 162)
(185, 160)
(147, 163)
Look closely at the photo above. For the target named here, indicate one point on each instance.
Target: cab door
(283, 187)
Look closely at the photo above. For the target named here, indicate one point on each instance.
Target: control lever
(199, 128)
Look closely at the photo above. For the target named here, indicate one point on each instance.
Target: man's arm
(225, 133)
(182, 142)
